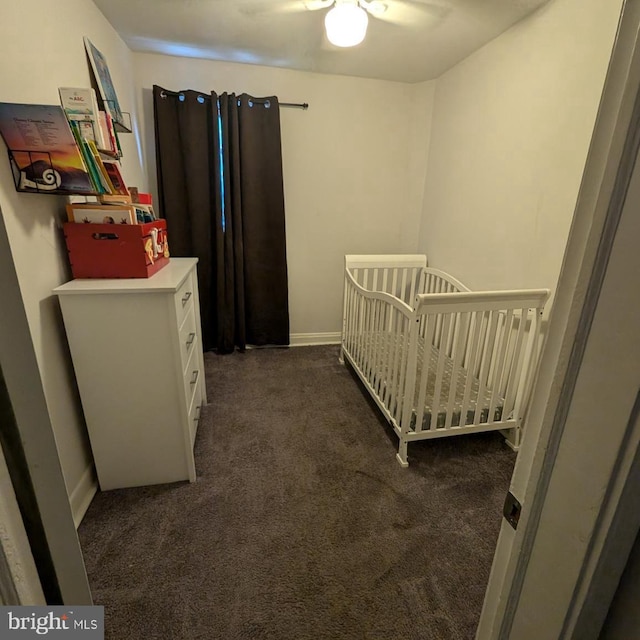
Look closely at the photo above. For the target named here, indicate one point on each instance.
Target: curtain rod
(295, 105)
(291, 105)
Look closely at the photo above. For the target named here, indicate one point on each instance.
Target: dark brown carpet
(302, 525)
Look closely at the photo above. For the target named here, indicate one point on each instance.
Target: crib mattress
(384, 341)
(460, 382)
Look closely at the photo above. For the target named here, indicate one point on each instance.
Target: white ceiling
(417, 39)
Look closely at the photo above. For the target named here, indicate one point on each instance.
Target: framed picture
(104, 82)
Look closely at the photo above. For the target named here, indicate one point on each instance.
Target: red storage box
(116, 250)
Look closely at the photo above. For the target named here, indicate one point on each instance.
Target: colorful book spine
(86, 156)
(104, 176)
(115, 141)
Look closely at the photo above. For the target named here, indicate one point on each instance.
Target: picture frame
(104, 82)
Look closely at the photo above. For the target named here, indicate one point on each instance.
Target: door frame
(37, 443)
(19, 582)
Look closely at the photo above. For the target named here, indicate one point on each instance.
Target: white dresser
(136, 346)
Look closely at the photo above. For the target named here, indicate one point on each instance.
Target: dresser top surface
(168, 279)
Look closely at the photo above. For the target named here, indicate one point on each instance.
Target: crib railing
(483, 343)
(488, 341)
(374, 338)
(397, 275)
(436, 281)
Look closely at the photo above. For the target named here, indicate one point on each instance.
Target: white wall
(42, 49)
(510, 133)
(353, 166)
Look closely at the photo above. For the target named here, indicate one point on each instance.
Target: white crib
(437, 358)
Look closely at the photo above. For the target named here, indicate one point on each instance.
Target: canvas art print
(43, 152)
(104, 82)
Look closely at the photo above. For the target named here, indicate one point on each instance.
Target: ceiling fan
(346, 21)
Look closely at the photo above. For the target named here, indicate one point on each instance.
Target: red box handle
(104, 236)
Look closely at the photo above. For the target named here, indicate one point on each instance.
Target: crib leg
(401, 456)
(341, 356)
(513, 437)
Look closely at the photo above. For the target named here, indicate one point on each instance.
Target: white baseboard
(309, 339)
(82, 495)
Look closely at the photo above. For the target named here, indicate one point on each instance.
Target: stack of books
(114, 209)
(96, 139)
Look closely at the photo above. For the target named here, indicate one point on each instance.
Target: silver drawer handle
(198, 412)
(192, 337)
(194, 376)
(186, 297)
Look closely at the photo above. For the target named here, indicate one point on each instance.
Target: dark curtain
(220, 187)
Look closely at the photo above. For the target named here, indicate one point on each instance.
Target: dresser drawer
(192, 374)
(184, 298)
(187, 337)
(194, 415)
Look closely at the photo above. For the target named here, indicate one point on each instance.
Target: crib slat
(367, 364)
(346, 322)
(484, 327)
(355, 310)
(349, 329)
(384, 355)
(412, 290)
(385, 359)
(457, 364)
(402, 371)
(375, 308)
(377, 344)
(516, 362)
(357, 329)
(437, 392)
(363, 333)
(375, 372)
(425, 372)
(451, 336)
(367, 334)
(355, 323)
(397, 390)
(394, 282)
(385, 275)
(376, 341)
(476, 322)
(388, 360)
(421, 281)
(499, 371)
(486, 354)
(403, 293)
(392, 395)
(362, 329)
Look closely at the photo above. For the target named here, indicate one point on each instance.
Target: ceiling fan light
(346, 25)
